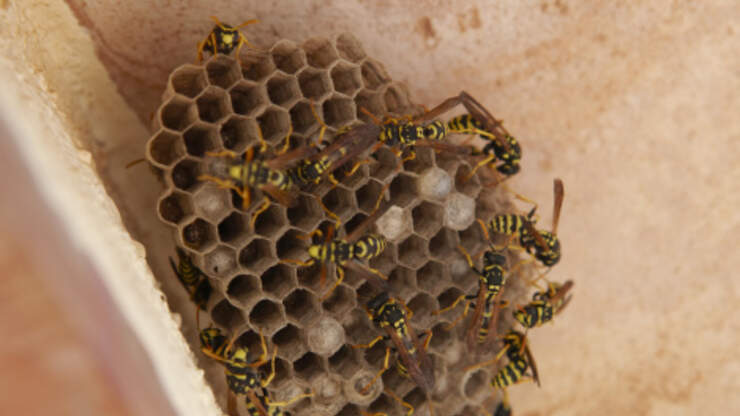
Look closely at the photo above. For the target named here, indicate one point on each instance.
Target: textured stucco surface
(634, 106)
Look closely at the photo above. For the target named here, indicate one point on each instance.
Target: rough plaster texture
(634, 106)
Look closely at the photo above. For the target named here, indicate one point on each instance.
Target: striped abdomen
(534, 314)
(368, 247)
(511, 374)
(508, 224)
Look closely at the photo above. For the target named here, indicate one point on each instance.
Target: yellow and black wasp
(545, 245)
(501, 145)
(194, 281)
(503, 408)
(520, 360)
(224, 38)
(393, 316)
(266, 175)
(344, 252)
(241, 377)
(544, 305)
(492, 279)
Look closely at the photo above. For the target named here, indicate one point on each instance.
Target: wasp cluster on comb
(223, 106)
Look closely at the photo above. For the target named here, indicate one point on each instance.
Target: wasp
(194, 281)
(240, 376)
(545, 245)
(520, 360)
(224, 38)
(345, 252)
(492, 279)
(503, 408)
(393, 316)
(266, 175)
(544, 305)
(501, 145)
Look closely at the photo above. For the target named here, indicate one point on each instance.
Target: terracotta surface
(635, 107)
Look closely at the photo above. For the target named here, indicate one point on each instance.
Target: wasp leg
(399, 400)
(340, 278)
(489, 362)
(289, 402)
(380, 373)
(266, 382)
(370, 345)
(265, 205)
(263, 357)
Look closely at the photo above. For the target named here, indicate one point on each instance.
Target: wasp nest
(218, 105)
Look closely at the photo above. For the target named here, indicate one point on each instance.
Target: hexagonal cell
(178, 114)
(292, 245)
(320, 52)
(220, 262)
(314, 84)
(448, 297)
(224, 314)
(386, 164)
(223, 71)
(424, 160)
(188, 80)
(402, 281)
(384, 404)
(174, 207)
(395, 100)
(211, 203)
(475, 384)
(302, 306)
(338, 111)
(185, 174)
(199, 234)
(302, 118)
(350, 410)
(423, 305)
(326, 336)
(349, 48)
(165, 148)
(340, 201)
(412, 252)
(340, 301)
(368, 195)
(288, 57)
(199, 139)
(434, 183)
(270, 222)
(459, 211)
(266, 315)
(403, 190)
(238, 133)
(248, 98)
(470, 187)
(244, 289)
(309, 277)
(373, 74)
(417, 399)
(309, 366)
(344, 361)
(346, 78)
(278, 280)
(259, 69)
(427, 218)
(213, 105)
(372, 102)
(274, 123)
(395, 224)
(257, 255)
(431, 277)
(283, 373)
(283, 90)
(306, 214)
(442, 246)
(289, 342)
(472, 238)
